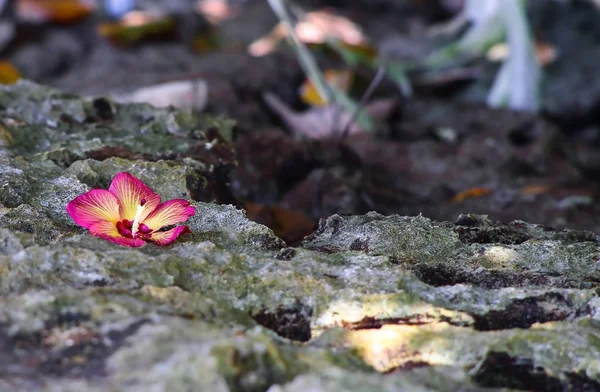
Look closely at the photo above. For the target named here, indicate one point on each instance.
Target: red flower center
(124, 228)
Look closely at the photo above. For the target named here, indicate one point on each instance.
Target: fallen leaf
(58, 11)
(136, 26)
(574, 201)
(316, 27)
(319, 26)
(8, 73)
(182, 94)
(288, 225)
(471, 194)
(322, 122)
(340, 78)
(534, 190)
(216, 11)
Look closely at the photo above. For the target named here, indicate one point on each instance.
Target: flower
(129, 213)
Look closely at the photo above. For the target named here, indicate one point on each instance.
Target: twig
(364, 99)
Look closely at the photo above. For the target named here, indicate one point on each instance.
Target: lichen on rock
(365, 303)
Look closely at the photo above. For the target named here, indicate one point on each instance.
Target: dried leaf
(326, 121)
(534, 190)
(342, 79)
(288, 225)
(58, 11)
(8, 73)
(471, 194)
(182, 94)
(316, 27)
(216, 11)
(136, 26)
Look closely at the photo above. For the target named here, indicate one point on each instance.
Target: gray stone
(436, 306)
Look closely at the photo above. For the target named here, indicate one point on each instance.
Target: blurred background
(439, 107)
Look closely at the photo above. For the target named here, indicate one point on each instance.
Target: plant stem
(330, 94)
(307, 62)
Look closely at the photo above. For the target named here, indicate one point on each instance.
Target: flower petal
(94, 206)
(166, 237)
(169, 213)
(108, 231)
(132, 192)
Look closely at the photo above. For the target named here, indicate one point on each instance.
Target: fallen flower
(129, 213)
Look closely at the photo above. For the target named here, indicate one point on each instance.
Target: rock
(365, 303)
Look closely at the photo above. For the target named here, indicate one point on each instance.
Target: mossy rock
(366, 303)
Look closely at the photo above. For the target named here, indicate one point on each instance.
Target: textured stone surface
(366, 303)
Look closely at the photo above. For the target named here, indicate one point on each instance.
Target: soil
(440, 153)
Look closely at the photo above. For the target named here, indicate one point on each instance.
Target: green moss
(186, 316)
(578, 260)
(405, 240)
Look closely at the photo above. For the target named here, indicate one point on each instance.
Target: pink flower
(129, 213)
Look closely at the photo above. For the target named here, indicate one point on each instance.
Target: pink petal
(108, 231)
(94, 206)
(169, 213)
(131, 193)
(166, 237)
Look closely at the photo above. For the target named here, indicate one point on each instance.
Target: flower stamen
(136, 220)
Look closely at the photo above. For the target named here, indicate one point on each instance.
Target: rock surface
(366, 303)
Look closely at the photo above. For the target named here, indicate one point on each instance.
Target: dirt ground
(439, 153)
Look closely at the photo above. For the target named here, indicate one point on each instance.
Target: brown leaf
(340, 78)
(316, 28)
(182, 94)
(326, 121)
(288, 225)
(534, 190)
(216, 11)
(58, 11)
(471, 194)
(8, 73)
(136, 26)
